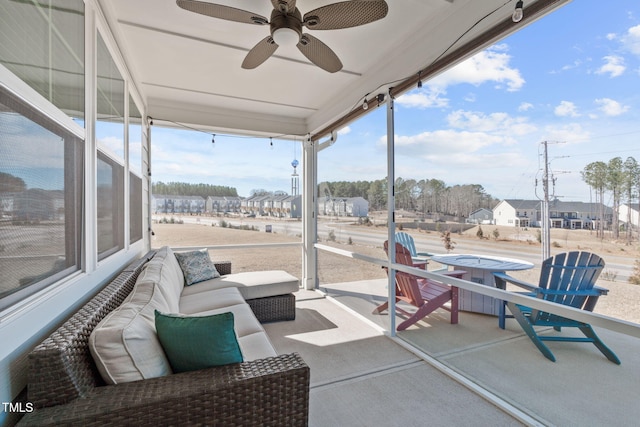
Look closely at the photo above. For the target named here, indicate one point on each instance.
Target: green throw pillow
(193, 343)
(196, 266)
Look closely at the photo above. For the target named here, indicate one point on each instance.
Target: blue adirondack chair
(567, 279)
(406, 240)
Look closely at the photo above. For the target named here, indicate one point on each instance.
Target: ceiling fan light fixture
(287, 22)
(286, 37)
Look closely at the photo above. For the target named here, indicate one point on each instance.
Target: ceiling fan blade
(259, 53)
(319, 53)
(345, 14)
(284, 5)
(222, 12)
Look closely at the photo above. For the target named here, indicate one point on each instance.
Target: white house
(517, 213)
(177, 204)
(343, 206)
(223, 204)
(573, 215)
(630, 214)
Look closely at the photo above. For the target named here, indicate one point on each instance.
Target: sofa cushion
(124, 345)
(210, 300)
(245, 321)
(163, 270)
(256, 346)
(198, 342)
(196, 266)
(251, 284)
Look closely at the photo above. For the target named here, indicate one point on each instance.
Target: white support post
(147, 177)
(309, 215)
(127, 186)
(546, 226)
(90, 237)
(391, 207)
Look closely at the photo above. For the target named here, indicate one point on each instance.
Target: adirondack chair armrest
(602, 291)
(424, 254)
(521, 283)
(582, 292)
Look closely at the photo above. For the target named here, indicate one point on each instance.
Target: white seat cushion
(251, 284)
(124, 345)
(256, 346)
(245, 322)
(210, 300)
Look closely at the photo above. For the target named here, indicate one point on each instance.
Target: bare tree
(631, 171)
(615, 184)
(595, 175)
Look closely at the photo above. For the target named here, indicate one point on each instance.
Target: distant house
(223, 204)
(517, 213)
(292, 206)
(480, 216)
(343, 206)
(36, 204)
(6, 204)
(578, 215)
(572, 215)
(256, 204)
(633, 210)
(357, 206)
(177, 204)
(275, 205)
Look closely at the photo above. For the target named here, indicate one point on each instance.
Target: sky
(571, 79)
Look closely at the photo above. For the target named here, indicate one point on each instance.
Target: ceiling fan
(286, 26)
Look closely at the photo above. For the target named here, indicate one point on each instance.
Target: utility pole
(546, 229)
(546, 217)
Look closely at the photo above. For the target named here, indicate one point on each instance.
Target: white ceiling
(187, 66)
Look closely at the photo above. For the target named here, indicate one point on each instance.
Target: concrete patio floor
(436, 373)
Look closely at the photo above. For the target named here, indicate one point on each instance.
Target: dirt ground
(623, 300)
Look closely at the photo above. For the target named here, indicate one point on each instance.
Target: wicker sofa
(66, 387)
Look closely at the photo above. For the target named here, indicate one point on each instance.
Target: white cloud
(614, 66)
(470, 97)
(112, 144)
(490, 65)
(494, 122)
(345, 130)
(569, 133)
(423, 99)
(447, 150)
(575, 64)
(566, 109)
(611, 107)
(525, 106)
(631, 40)
(444, 142)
